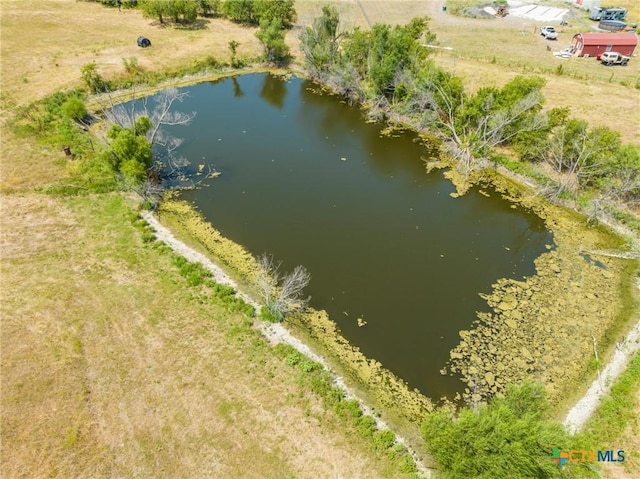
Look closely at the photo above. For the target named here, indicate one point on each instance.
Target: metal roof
(608, 38)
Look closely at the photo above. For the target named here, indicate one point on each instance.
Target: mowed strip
(113, 367)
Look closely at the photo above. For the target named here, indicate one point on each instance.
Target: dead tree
(281, 293)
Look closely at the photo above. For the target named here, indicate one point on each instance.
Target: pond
(306, 179)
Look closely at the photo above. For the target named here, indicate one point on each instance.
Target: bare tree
(281, 293)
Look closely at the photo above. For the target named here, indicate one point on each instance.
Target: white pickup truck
(614, 58)
(549, 33)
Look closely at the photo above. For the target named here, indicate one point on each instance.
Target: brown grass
(46, 43)
(111, 367)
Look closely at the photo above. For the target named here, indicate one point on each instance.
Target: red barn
(592, 44)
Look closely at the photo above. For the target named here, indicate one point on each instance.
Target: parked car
(549, 33)
(614, 58)
(144, 42)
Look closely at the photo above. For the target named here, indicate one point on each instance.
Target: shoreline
(275, 333)
(578, 413)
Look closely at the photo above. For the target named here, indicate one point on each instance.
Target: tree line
(389, 71)
(248, 12)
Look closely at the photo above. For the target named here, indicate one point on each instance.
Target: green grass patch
(628, 219)
(313, 377)
(617, 411)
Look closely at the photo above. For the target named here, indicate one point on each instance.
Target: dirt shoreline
(274, 333)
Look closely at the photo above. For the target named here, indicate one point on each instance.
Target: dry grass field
(112, 367)
(109, 366)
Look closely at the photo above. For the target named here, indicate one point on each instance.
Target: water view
(306, 179)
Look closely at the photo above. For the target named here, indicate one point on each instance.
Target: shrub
(271, 35)
(92, 79)
(506, 438)
(383, 440)
(269, 316)
(74, 108)
(293, 358)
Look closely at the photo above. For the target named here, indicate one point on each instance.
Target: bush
(271, 35)
(74, 108)
(505, 439)
(383, 440)
(270, 316)
(194, 273)
(92, 79)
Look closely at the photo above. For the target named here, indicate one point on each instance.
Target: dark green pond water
(305, 179)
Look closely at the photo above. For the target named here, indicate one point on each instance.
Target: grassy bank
(615, 424)
(116, 364)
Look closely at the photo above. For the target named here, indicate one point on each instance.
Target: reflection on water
(313, 184)
(273, 91)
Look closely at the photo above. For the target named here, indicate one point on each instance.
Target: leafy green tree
(155, 9)
(320, 42)
(209, 8)
(282, 10)
(474, 124)
(253, 12)
(508, 438)
(233, 48)
(580, 155)
(531, 145)
(621, 180)
(74, 108)
(241, 11)
(379, 55)
(185, 11)
(271, 35)
(130, 153)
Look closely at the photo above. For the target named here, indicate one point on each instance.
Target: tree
(253, 12)
(621, 180)
(474, 124)
(155, 9)
(579, 154)
(162, 114)
(241, 11)
(282, 10)
(507, 438)
(531, 145)
(233, 48)
(93, 79)
(271, 35)
(74, 108)
(185, 11)
(320, 42)
(379, 55)
(282, 294)
(130, 152)
(209, 8)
